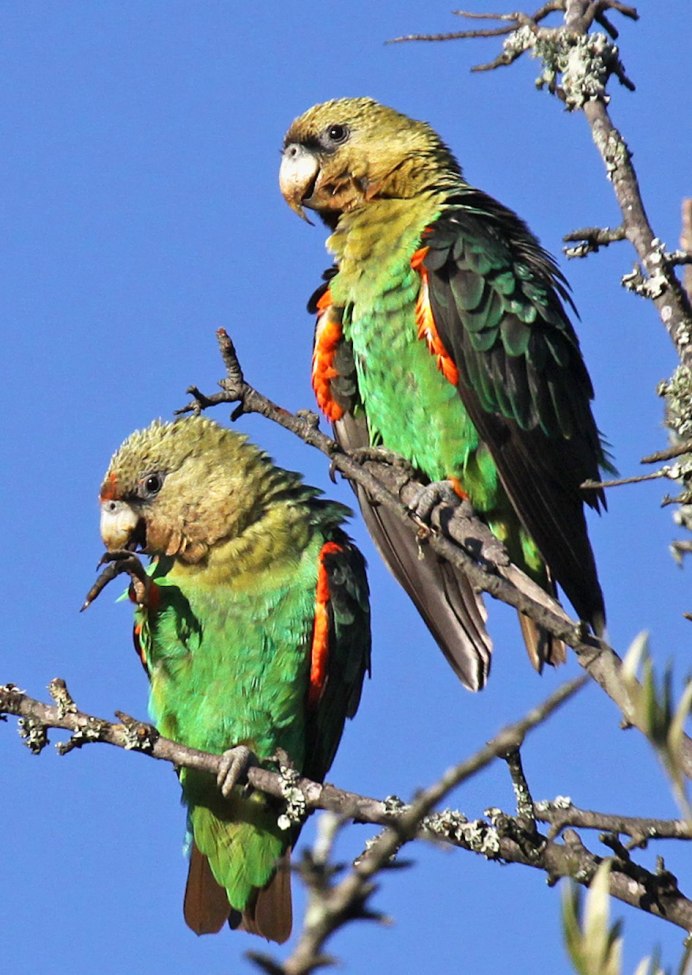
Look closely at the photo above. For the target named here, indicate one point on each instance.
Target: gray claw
(433, 494)
(383, 456)
(233, 768)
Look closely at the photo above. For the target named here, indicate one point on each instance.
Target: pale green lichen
(60, 694)
(577, 66)
(475, 834)
(296, 807)
(34, 734)
(394, 805)
(678, 395)
(138, 736)
(93, 729)
(559, 802)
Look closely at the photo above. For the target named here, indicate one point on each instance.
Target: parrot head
(177, 488)
(344, 153)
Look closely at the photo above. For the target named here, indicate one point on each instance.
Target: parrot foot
(437, 492)
(383, 456)
(116, 563)
(233, 768)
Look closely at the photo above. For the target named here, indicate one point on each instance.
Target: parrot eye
(337, 134)
(150, 486)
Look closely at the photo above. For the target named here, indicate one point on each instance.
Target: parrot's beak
(119, 525)
(297, 177)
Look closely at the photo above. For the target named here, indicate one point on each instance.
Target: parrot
(253, 625)
(443, 336)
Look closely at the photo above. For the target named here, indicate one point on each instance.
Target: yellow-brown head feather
(343, 153)
(187, 485)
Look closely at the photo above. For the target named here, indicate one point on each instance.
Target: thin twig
(619, 481)
(513, 21)
(677, 450)
(562, 814)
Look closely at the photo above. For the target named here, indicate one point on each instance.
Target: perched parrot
(442, 336)
(254, 630)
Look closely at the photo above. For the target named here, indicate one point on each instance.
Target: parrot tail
(238, 871)
(541, 646)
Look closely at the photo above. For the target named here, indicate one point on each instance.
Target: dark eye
(151, 485)
(337, 133)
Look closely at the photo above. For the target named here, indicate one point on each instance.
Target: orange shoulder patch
(427, 329)
(319, 655)
(328, 335)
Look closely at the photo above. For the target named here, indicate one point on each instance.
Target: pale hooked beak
(297, 176)
(119, 523)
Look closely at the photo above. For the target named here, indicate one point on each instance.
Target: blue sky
(139, 172)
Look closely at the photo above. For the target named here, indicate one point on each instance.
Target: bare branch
(339, 903)
(561, 814)
(664, 290)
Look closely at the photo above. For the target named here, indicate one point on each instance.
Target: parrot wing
(496, 299)
(340, 655)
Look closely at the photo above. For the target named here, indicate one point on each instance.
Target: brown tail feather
(269, 913)
(541, 647)
(205, 908)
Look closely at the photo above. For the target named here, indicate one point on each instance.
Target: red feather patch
(426, 323)
(152, 606)
(319, 655)
(328, 335)
(109, 488)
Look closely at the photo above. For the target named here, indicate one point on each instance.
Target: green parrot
(442, 336)
(253, 626)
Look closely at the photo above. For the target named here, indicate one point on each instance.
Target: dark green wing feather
(497, 299)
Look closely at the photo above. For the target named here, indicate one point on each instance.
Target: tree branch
(453, 533)
(500, 837)
(561, 813)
